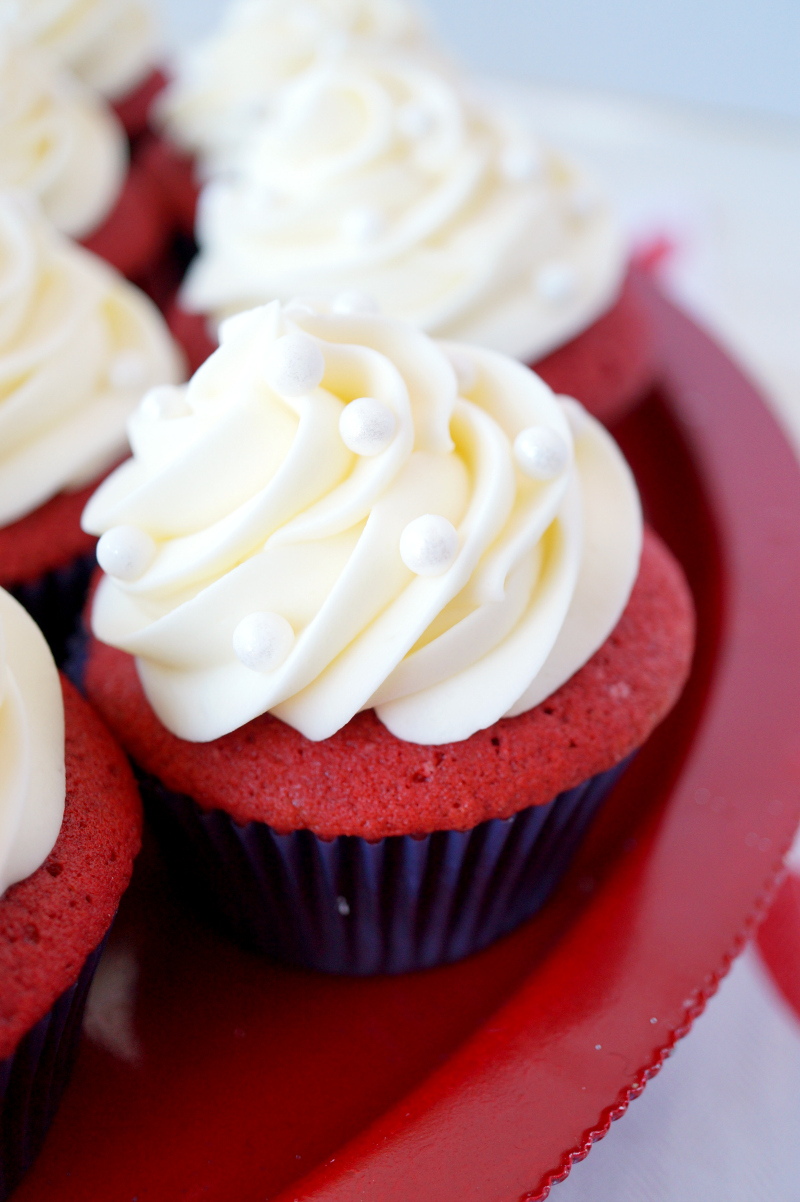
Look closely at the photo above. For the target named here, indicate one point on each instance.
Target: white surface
(720, 1122)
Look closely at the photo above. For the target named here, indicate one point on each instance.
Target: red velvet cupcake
(395, 634)
(70, 827)
(439, 206)
(78, 348)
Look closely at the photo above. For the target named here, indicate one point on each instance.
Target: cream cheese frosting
(111, 45)
(338, 512)
(225, 84)
(79, 346)
(384, 176)
(32, 773)
(59, 143)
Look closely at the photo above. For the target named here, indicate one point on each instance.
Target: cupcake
(378, 633)
(110, 45)
(62, 145)
(79, 346)
(383, 177)
(70, 826)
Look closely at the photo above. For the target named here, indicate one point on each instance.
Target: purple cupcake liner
(55, 600)
(35, 1075)
(359, 908)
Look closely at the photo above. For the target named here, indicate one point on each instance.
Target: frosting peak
(59, 143)
(379, 174)
(324, 520)
(32, 773)
(78, 348)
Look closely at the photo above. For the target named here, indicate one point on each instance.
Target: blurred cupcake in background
(112, 46)
(226, 84)
(70, 827)
(391, 182)
(79, 346)
(61, 144)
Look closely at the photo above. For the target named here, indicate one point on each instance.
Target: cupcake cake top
(339, 513)
(109, 44)
(382, 175)
(79, 346)
(225, 84)
(32, 774)
(58, 142)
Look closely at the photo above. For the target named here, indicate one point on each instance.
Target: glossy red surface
(483, 1080)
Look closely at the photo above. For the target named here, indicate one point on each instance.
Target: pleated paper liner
(359, 908)
(35, 1075)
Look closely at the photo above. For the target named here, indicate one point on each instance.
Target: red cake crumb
(172, 172)
(48, 538)
(51, 921)
(133, 109)
(364, 781)
(136, 232)
(611, 364)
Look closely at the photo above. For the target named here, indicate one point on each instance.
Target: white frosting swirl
(58, 142)
(32, 774)
(78, 348)
(109, 44)
(382, 176)
(260, 564)
(225, 84)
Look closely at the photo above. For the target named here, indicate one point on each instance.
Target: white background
(743, 53)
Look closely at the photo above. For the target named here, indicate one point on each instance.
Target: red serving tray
(486, 1079)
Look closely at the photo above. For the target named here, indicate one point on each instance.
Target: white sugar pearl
(354, 301)
(541, 453)
(367, 426)
(556, 282)
(164, 403)
(520, 163)
(128, 369)
(465, 369)
(414, 121)
(261, 641)
(363, 224)
(126, 552)
(575, 414)
(295, 365)
(429, 545)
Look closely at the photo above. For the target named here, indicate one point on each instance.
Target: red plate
(484, 1080)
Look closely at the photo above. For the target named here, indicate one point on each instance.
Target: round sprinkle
(164, 403)
(575, 414)
(541, 453)
(466, 371)
(128, 369)
(343, 906)
(363, 224)
(261, 641)
(429, 545)
(354, 301)
(367, 426)
(414, 121)
(126, 552)
(520, 163)
(556, 282)
(295, 365)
